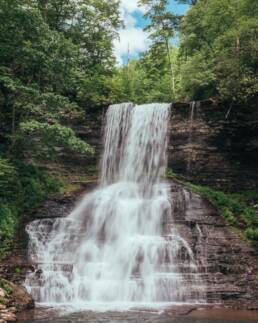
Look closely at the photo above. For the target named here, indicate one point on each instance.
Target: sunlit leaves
(220, 34)
(55, 134)
(56, 60)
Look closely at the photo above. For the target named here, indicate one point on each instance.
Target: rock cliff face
(210, 144)
(13, 299)
(226, 264)
(215, 145)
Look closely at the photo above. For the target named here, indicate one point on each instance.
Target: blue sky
(133, 37)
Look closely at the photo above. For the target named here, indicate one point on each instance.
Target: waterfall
(120, 245)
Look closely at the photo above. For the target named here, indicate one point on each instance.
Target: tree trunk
(172, 74)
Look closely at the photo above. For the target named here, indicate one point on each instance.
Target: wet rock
(21, 298)
(12, 309)
(180, 310)
(8, 317)
(56, 207)
(14, 299)
(226, 263)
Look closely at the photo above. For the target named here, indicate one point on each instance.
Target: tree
(190, 2)
(218, 38)
(147, 79)
(55, 60)
(162, 28)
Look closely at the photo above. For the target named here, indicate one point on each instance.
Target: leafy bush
(53, 135)
(252, 234)
(8, 175)
(36, 185)
(5, 285)
(8, 224)
(22, 189)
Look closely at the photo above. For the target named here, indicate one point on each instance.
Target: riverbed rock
(227, 267)
(13, 300)
(2, 293)
(8, 317)
(21, 298)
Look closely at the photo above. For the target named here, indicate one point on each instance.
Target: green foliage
(197, 78)
(162, 23)
(7, 179)
(22, 189)
(55, 62)
(5, 285)
(162, 28)
(218, 54)
(36, 185)
(252, 234)
(235, 212)
(53, 135)
(8, 224)
(18, 270)
(219, 50)
(147, 79)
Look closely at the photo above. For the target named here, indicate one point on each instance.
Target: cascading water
(120, 244)
(191, 119)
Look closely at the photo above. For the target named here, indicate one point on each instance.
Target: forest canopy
(216, 55)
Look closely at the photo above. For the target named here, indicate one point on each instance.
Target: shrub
(8, 224)
(252, 234)
(22, 189)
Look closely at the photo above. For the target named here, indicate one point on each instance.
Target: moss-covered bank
(22, 190)
(240, 209)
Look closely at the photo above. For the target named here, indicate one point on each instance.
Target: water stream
(120, 247)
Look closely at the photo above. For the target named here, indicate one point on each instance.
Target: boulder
(22, 300)
(8, 317)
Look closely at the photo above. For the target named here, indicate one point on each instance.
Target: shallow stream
(196, 316)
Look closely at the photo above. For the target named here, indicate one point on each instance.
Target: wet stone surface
(206, 316)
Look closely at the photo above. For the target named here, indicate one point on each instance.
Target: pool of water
(196, 316)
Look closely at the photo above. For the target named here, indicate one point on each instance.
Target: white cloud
(130, 6)
(134, 39)
(131, 37)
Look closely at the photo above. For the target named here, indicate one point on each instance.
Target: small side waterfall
(120, 247)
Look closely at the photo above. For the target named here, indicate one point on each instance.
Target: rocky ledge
(13, 299)
(227, 264)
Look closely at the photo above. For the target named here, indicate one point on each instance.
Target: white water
(119, 248)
